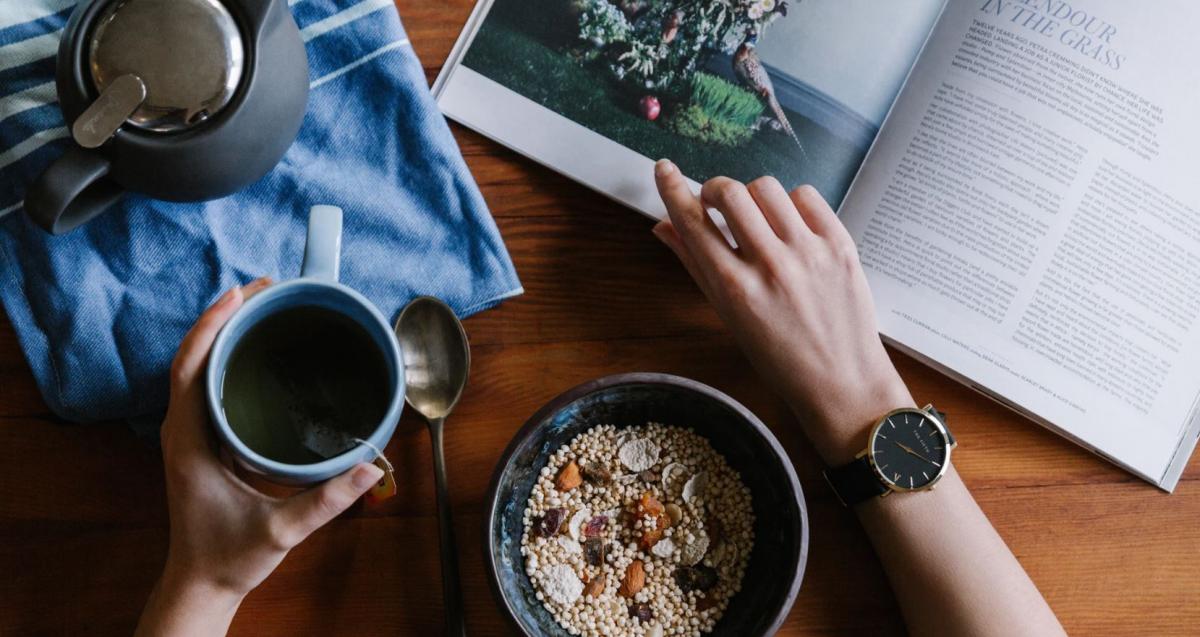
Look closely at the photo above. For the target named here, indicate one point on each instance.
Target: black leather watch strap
(942, 417)
(855, 482)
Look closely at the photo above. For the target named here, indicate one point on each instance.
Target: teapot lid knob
(188, 53)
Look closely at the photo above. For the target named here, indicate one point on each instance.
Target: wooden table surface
(83, 526)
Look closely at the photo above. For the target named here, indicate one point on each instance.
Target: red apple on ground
(650, 107)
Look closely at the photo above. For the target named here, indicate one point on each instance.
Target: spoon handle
(451, 586)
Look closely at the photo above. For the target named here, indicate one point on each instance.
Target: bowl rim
(640, 378)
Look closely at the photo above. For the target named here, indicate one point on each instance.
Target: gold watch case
(928, 412)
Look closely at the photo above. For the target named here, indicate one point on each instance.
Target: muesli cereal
(638, 531)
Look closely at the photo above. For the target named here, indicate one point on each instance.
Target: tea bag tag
(102, 119)
(386, 487)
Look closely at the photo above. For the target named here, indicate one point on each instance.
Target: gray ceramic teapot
(182, 100)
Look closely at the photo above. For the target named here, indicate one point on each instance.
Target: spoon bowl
(438, 358)
(437, 363)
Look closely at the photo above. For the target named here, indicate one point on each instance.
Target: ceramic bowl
(780, 551)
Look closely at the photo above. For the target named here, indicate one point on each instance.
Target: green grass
(523, 45)
(725, 101)
(717, 112)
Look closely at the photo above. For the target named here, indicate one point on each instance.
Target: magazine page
(600, 89)
(1030, 217)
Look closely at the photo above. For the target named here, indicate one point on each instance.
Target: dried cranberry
(595, 526)
(594, 551)
(550, 523)
(642, 611)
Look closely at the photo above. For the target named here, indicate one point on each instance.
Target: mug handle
(323, 247)
(72, 191)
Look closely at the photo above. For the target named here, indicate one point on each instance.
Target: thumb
(308, 511)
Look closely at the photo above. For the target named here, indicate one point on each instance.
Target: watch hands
(910, 451)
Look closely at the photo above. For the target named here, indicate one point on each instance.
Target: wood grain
(83, 524)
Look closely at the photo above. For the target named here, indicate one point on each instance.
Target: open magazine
(1017, 174)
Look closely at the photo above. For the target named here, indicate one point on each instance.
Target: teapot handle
(73, 190)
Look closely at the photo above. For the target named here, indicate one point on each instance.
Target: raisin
(596, 474)
(649, 476)
(595, 526)
(716, 530)
(707, 577)
(550, 523)
(594, 551)
(685, 578)
(695, 578)
(642, 611)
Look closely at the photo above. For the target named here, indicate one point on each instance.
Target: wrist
(184, 584)
(843, 420)
(183, 603)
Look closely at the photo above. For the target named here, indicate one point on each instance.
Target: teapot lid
(188, 53)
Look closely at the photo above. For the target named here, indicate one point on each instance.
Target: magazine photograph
(741, 88)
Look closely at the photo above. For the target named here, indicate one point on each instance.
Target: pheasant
(751, 72)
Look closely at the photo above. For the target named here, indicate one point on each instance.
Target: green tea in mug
(303, 383)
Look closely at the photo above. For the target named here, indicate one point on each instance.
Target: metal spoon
(437, 361)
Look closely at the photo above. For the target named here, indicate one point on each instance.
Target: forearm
(797, 299)
(949, 569)
(179, 606)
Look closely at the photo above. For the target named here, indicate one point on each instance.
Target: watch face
(910, 450)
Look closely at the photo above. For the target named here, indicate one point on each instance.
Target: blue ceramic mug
(317, 287)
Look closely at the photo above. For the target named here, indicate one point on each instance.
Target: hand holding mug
(226, 537)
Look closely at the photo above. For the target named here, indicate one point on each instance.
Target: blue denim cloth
(100, 312)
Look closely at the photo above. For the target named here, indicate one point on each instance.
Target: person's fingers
(746, 221)
(226, 458)
(254, 287)
(778, 208)
(309, 510)
(688, 216)
(666, 233)
(193, 352)
(185, 430)
(817, 214)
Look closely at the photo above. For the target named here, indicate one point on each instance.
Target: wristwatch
(908, 450)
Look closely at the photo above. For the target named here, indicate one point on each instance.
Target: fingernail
(365, 476)
(664, 167)
(227, 297)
